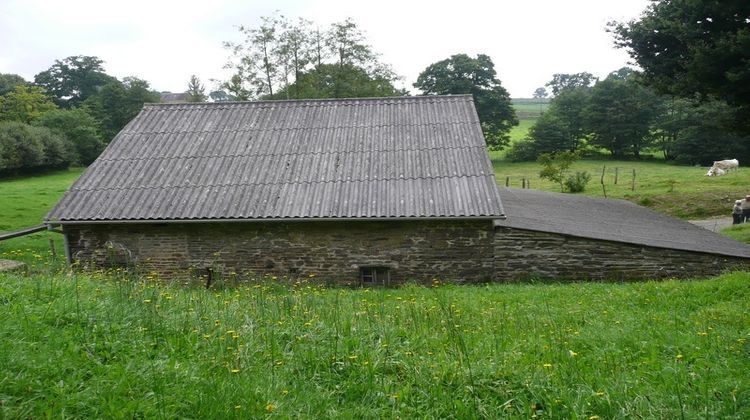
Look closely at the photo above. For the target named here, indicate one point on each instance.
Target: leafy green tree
(24, 104)
(673, 117)
(550, 134)
(476, 76)
(196, 92)
(619, 114)
(334, 81)
(282, 60)
(540, 93)
(568, 106)
(72, 80)
(24, 148)
(119, 102)
(701, 135)
(561, 82)
(219, 96)
(9, 81)
(688, 47)
(555, 166)
(235, 86)
(79, 128)
(295, 53)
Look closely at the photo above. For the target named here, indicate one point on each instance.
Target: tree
(219, 96)
(561, 82)
(619, 114)
(540, 93)
(550, 134)
(196, 92)
(461, 74)
(282, 60)
(71, 81)
(24, 104)
(119, 102)
(24, 148)
(555, 166)
(690, 48)
(9, 81)
(295, 53)
(334, 81)
(79, 128)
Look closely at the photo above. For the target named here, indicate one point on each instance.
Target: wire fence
(616, 175)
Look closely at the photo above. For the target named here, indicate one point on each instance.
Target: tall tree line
(285, 59)
(66, 115)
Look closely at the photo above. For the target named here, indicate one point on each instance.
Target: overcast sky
(166, 41)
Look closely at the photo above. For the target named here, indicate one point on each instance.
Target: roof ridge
(317, 100)
(472, 122)
(425, 149)
(235, 184)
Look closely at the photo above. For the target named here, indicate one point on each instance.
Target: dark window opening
(374, 276)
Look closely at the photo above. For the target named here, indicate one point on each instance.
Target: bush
(79, 128)
(24, 148)
(577, 183)
(522, 151)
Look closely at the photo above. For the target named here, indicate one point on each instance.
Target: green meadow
(90, 346)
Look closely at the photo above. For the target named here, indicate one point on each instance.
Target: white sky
(165, 41)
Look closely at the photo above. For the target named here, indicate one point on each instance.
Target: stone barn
(351, 191)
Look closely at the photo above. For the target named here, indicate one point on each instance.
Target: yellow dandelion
(146, 300)
(547, 365)
(594, 418)
(572, 353)
(599, 394)
(284, 392)
(679, 356)
(235, 370)
(270, 407)
(353, 357)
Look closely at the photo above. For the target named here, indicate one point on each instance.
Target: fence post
(52, 248)
(507, 181)
(616, 173)
(523, 182)
(528, 183)
(604, 189)
(632, 185)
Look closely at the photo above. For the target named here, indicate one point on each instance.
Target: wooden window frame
(374, 276)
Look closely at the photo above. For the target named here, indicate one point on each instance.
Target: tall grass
(92, 346)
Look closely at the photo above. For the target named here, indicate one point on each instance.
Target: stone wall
(458, 251)
(525, 254)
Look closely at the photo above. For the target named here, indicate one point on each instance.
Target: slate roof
(611, 220)
(421, 157)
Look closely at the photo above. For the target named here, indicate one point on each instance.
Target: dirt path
(716, 224)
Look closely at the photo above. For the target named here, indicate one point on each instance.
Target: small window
(371, 276)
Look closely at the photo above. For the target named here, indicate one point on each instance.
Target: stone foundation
(524, 254)
(459, 251)
(421, 251)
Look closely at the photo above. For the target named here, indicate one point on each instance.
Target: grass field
(77, 346)
(677, 190)
(25, 202)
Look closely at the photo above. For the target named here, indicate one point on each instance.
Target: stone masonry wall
(457, 251)
(525, 254)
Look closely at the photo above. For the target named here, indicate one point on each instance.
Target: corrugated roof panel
(382, 157)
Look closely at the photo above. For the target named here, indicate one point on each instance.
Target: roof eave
(268, 219)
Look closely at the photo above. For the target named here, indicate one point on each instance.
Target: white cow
(721, 167)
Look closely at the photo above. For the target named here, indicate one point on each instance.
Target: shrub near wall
(24, 148)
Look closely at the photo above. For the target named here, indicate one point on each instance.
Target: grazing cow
(721, 167)
(727, 165)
